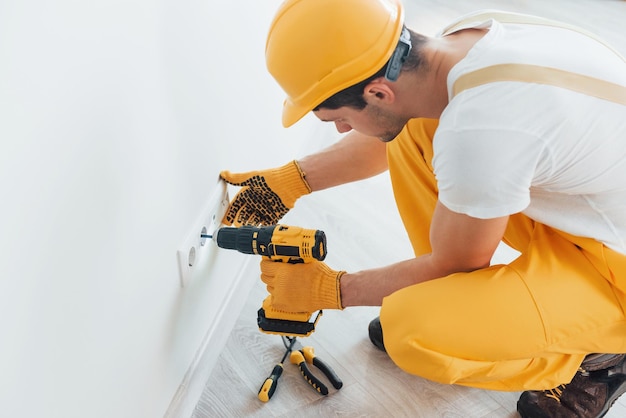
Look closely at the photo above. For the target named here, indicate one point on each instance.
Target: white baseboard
(194, 381)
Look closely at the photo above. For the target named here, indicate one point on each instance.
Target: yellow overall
(525, 325)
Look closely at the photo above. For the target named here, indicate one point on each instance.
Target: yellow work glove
(304, 287)
(265, 196)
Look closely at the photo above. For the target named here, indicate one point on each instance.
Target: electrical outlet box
(208, 222)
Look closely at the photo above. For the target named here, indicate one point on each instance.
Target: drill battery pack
(301, 326)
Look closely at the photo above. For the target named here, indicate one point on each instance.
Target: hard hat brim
(292, 113)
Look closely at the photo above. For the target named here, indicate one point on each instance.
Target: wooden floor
(363, 231)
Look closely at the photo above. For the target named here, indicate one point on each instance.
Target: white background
(115, 120)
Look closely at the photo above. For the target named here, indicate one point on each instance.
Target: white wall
(115, 118)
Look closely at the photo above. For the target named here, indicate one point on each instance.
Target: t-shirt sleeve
(483, 173)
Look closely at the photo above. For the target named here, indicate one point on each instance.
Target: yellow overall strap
(534, 73)
(542, 75)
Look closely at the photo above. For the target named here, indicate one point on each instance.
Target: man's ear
(379, 90)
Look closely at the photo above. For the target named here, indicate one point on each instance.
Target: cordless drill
(279, 243)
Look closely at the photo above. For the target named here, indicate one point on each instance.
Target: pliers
(300, 356)
(303, 355)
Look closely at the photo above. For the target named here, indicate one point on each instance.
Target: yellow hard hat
(316, 48)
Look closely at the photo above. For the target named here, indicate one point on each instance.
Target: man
(538, 164)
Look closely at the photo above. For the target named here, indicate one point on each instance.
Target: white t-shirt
(556, 155)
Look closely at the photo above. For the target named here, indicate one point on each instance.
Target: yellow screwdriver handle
(269, 386)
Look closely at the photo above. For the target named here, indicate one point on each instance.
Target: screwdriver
(269, 386)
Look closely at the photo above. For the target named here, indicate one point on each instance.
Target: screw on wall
(194, 245)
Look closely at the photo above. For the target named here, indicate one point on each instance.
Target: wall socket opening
(194, 245)
(202, 239)
(191, 259)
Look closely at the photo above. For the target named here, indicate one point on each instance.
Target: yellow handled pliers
(303, 355)
(299, 356)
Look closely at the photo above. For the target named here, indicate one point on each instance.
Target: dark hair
(353, 95)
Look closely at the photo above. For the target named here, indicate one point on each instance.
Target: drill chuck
(243, 239)
(280, 242)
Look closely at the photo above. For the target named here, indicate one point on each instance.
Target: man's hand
(265, 196)
(306, 287)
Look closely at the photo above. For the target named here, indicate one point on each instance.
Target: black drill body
(276, 242)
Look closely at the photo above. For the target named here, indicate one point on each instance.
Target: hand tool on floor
(303, 355)
(269, 386)
(299, 356)
(281, 243)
